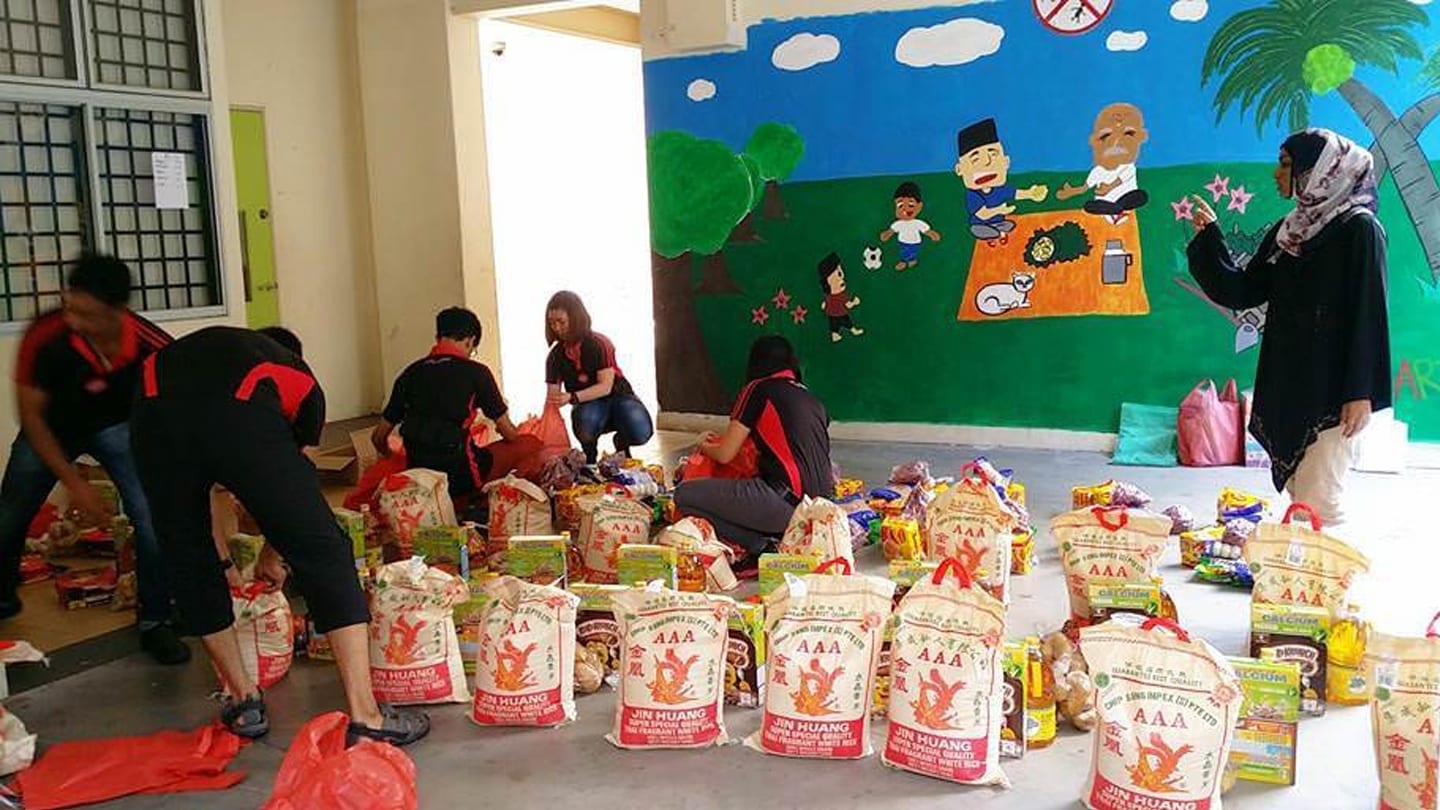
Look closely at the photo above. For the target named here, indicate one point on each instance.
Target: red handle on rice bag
(948, 565)
(1430, 628)
(971, 472)
(1167, 624)
(838, 562)
(613, 488)
(1296, 508)
(1102, 516)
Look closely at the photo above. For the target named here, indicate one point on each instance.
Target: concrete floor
(461, 765)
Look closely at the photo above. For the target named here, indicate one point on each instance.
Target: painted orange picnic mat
(1057, 263)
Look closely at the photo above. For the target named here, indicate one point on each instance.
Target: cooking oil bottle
(1040, 700)
(1345, 681)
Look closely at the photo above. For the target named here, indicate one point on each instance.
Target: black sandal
(246, 718)
(398, 728)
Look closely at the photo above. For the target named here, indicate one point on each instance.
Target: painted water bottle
(1040, 698)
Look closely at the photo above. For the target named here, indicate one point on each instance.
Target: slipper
(398, 728)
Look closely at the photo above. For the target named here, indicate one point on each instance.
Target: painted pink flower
(1183, 208)
(798, 314)
(781, 299)
(1239, 198)
(1218, 187)
(759, 316)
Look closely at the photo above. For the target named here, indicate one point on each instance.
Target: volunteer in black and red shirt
(582, 372)
(236, 408)
(791, 430)
(75, 380)
(436, 402)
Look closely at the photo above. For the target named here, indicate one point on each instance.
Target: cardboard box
(1268, 728)
(745, 657)
(353, 524)
(1299, 634)
(640, 564)
(1014, 658)
(539, 559)
(1107, 599)
(774, 567)
(89, 588)
(467, 625)
(443, 547)
(595, 625)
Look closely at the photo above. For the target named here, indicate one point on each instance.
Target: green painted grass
(917, 363)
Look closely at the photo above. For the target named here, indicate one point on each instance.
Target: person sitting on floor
(436, 402)
(582, 372)
(236, 408)
(791, 430)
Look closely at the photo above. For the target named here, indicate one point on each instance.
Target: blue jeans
(625, 416)
(28, 483)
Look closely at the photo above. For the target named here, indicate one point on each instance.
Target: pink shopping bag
(1210, 429)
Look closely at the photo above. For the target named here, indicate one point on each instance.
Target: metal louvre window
(43, 217)
(94, 96)
(169, 249)
(35, 39)
(145, 43)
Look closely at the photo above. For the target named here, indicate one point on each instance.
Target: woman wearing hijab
(1325, 357)
(791, 431)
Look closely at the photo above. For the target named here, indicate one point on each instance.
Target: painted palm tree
(1423, 112)
(1270, 60)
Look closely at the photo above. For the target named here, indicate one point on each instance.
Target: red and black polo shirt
(87, 392)
(232, 363)
(436, 401)
(577, 365)
(792, 432)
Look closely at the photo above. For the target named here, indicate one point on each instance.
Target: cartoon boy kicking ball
(985, 169)
(908, 225)
(838, 301)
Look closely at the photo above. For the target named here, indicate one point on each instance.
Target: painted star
(1218, 187)
(781, 299)
(799, 313)
(1239, 198)
(1184, 209)
(759, 316)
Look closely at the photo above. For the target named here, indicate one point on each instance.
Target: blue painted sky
(867, 114)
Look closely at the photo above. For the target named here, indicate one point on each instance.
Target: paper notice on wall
(171, 188)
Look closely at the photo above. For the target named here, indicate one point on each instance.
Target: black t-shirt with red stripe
(224, 362)
(577, 365)
(437, 399)
(791, 430)
(87, 392)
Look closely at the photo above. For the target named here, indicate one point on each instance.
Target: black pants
(182, 448)
(747, 512)
(1128, 201)
(838, 322)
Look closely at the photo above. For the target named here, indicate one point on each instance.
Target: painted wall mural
(977, 213)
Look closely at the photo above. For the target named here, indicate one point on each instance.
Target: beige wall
(298, 62)
(228, 238)
(423, 201)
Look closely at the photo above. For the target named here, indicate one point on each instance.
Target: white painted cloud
(1194, 10)
(1126, 40)
(805, 51)
(953, 43)
(701, 90)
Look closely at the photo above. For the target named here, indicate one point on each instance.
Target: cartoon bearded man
(1115, 143)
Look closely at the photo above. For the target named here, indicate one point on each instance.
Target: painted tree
(745, 231)
(1271, 60)
(699, 191)
(776, 149)
(1423, 112)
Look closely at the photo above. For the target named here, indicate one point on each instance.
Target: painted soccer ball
(873, 258)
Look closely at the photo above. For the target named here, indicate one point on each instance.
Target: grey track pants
(747, 512)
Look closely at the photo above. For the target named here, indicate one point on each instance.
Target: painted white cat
(998, 299)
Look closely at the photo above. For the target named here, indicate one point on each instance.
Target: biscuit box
(1014, 658)
(1268, 728)
(774, 567)
(595, 626)
(540, 560)
(1299, 634)
(745, 657)
(640, 564)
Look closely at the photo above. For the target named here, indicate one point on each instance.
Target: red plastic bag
(40, 524)
(320, 772)
(1210, 430)
(697, 465)
(71, 774)
(364, 492)
(549, 428)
